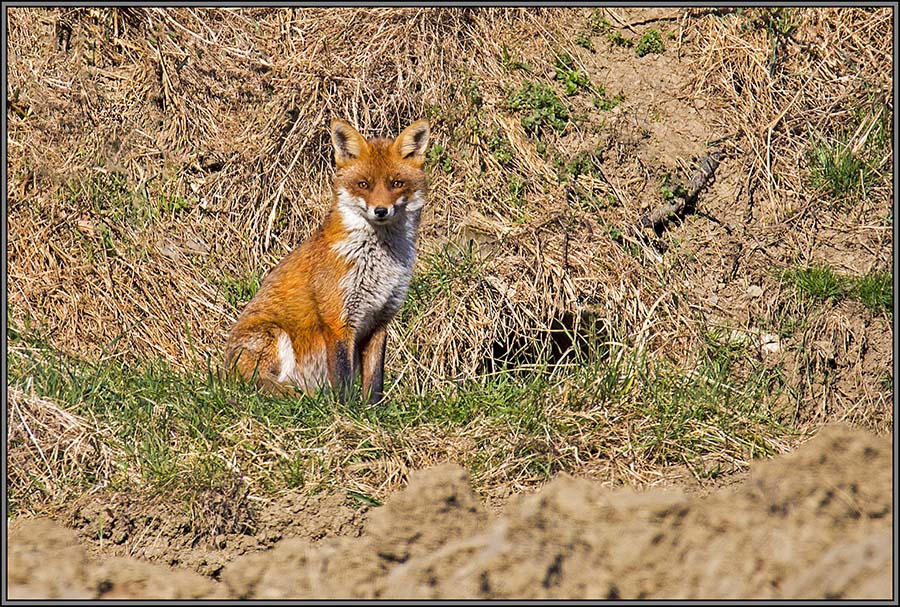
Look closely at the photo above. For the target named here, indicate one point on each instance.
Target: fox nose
(381, 212)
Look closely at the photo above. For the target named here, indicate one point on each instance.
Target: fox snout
(382, 213)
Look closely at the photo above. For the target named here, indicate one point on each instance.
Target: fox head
(379, 179)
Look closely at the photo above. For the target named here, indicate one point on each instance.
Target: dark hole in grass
(571, 336)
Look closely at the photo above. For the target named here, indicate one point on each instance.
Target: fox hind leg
(259, 354)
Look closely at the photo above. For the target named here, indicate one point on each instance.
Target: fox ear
(348, 144)
(411, 143)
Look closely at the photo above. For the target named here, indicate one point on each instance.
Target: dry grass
(223, 111)
(52, 452)
(778, 78)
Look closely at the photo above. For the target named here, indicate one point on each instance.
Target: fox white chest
(382, 261)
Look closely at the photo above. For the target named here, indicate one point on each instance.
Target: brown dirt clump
(815, 523)
(207, 532)
(46, 561)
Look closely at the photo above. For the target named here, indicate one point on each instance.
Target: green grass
(822, 283)
(238, 291)
(724, 391)
(178, 432)
(166, 423)
(875, 291)
(111, 199)
(110, 213)
(816, 283)
(843, 173)
(834, 168)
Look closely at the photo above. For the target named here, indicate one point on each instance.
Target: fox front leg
(340, 368)
(373, 367)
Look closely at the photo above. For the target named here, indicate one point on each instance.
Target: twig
(659, 217)
(651, 20)
(620, 21)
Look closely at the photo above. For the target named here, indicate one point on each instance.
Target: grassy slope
(621, 407)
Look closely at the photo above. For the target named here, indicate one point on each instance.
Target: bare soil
(815, 523)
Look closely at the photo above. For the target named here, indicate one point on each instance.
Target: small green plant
(602, 102)
(107, 196)
(614, 232)
(546, 110)
(500, 148)
(435, 112)
(571, 77)
(585, 162)
(669, 193)
(587, 201)
(468, 87)
(599, 23)
(584, 41)
(618, 39)
(516, 187)
(172, 204)
(437, 156)
(472, 93)
(777, 21)
(650, 42)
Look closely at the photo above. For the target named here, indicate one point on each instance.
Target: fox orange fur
(320, 316)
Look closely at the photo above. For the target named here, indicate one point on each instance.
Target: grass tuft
(834, 168)
(875, 291)
(821, 283)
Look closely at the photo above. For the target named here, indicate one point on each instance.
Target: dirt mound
(815, 523)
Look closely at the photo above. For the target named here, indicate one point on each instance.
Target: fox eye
(396, 184)
(363, 185)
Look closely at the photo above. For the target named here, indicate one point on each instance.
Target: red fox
(320, 316)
